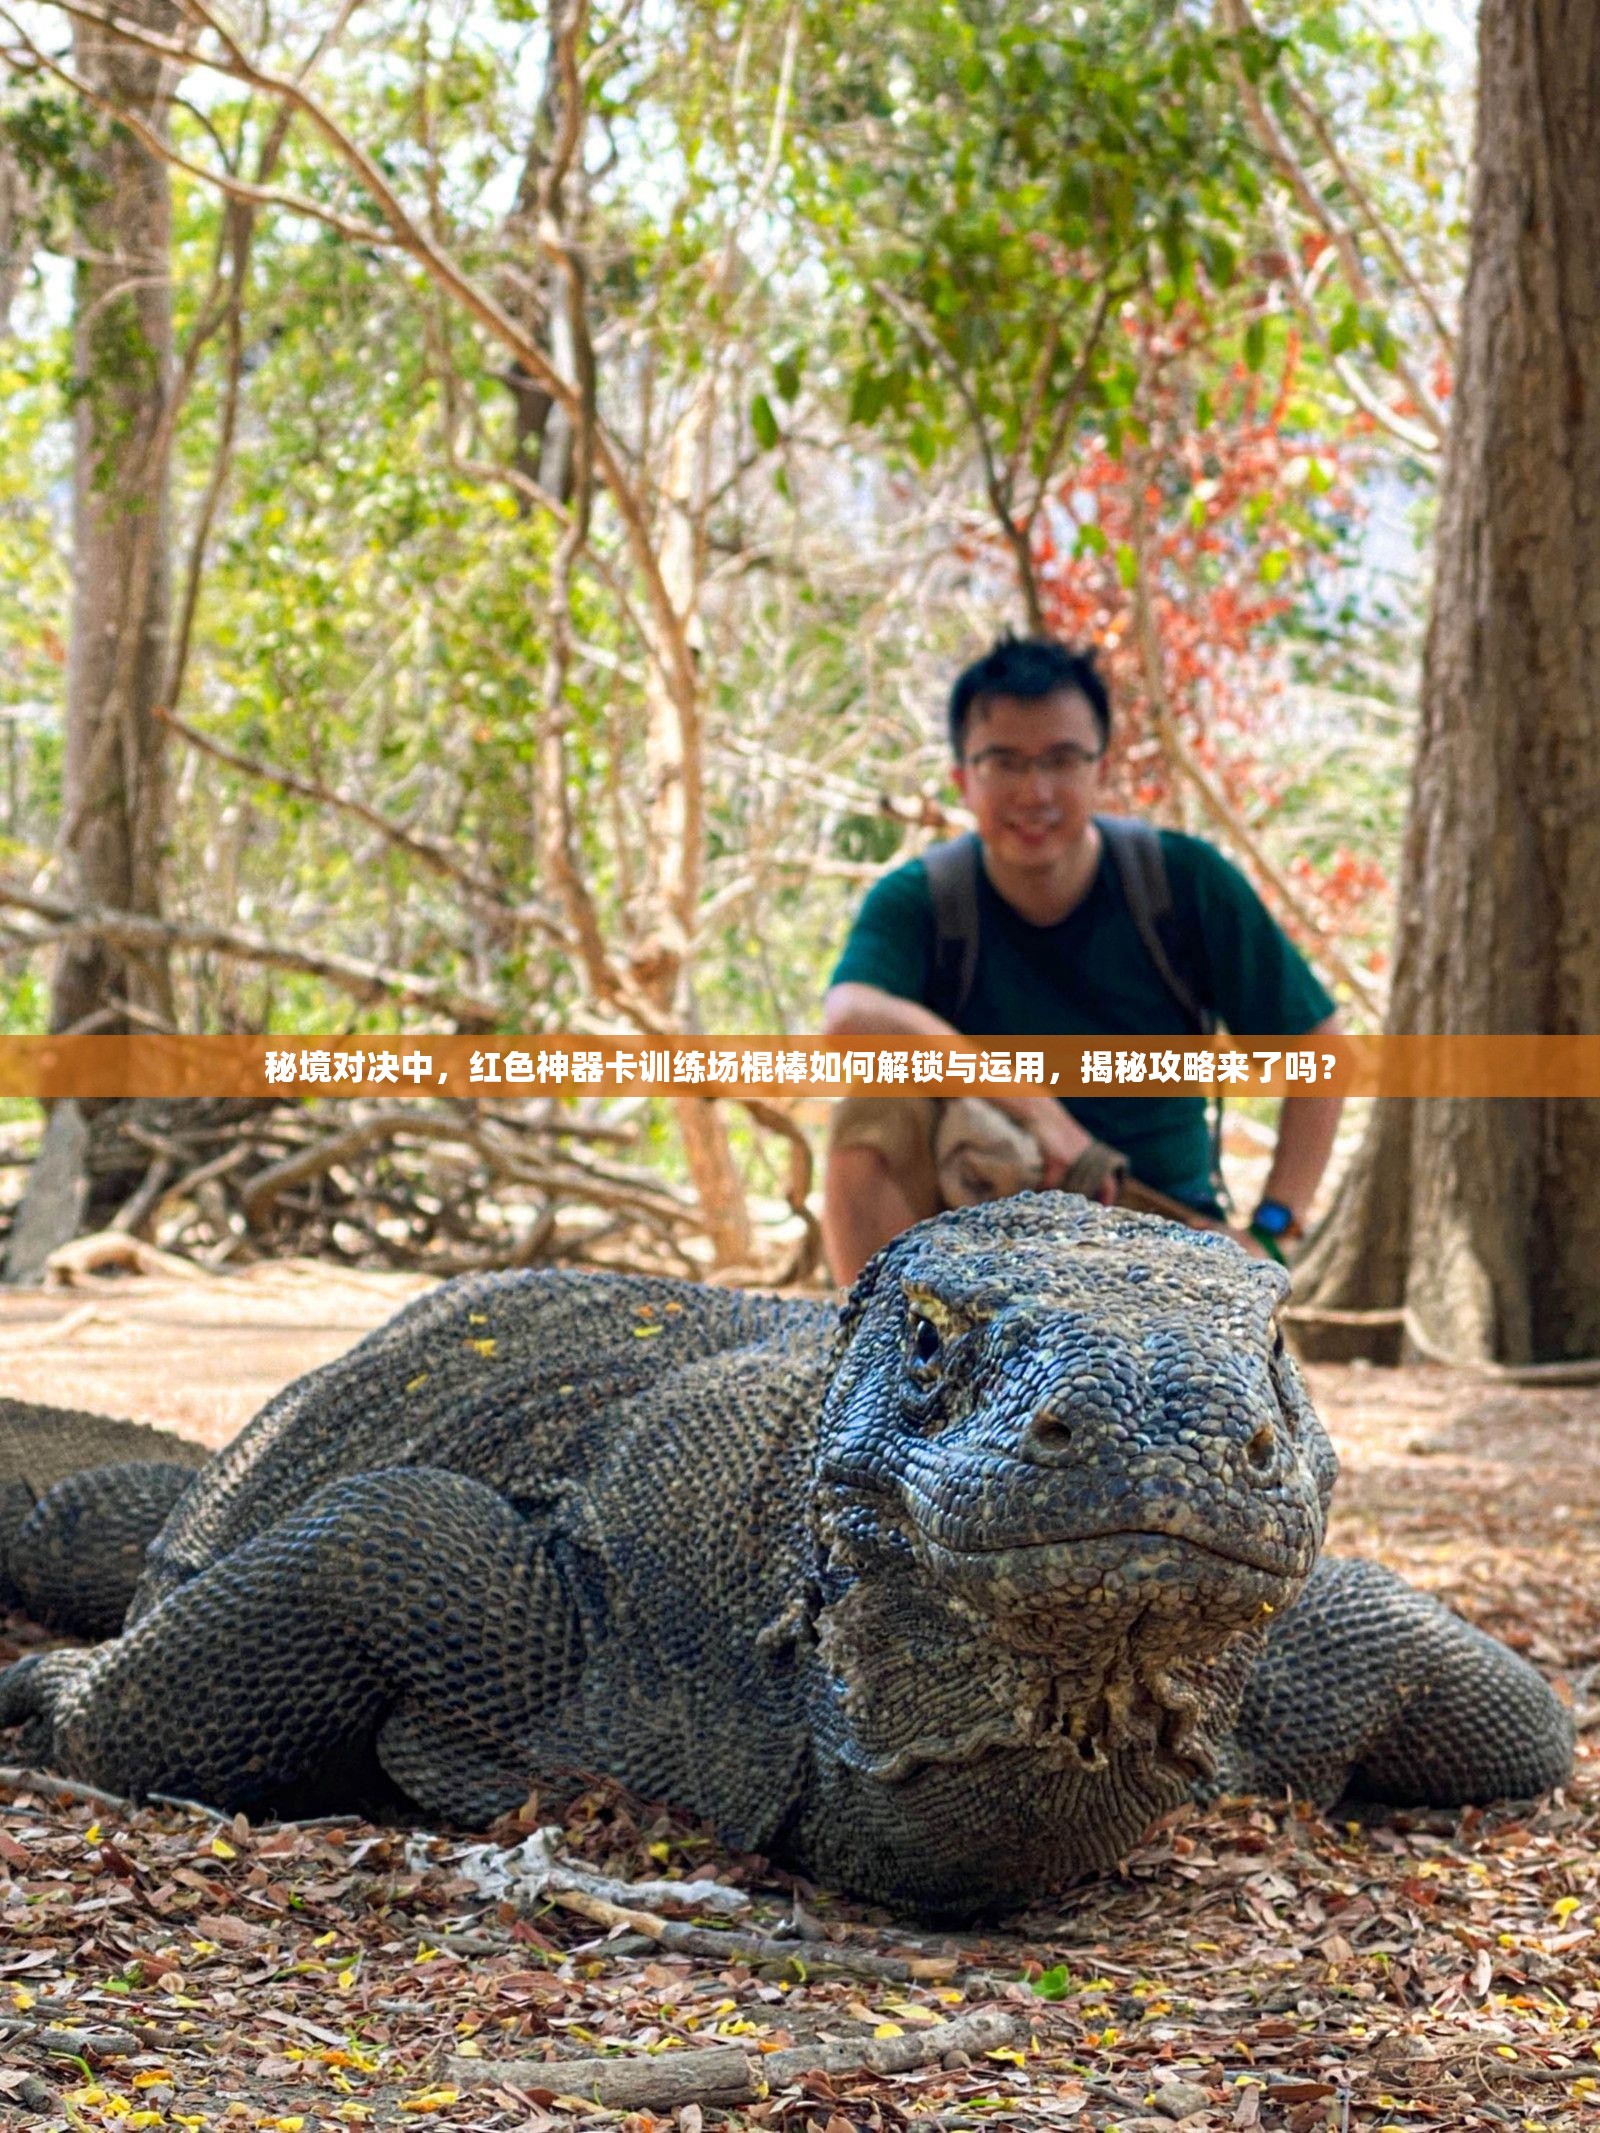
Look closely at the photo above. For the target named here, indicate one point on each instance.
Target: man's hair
(1030, 668)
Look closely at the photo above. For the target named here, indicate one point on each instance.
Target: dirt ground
(1251, 1965)
(199, 1355)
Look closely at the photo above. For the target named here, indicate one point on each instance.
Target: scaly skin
(942, 1599)
(80, 1497)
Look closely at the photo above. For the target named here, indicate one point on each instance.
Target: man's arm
(1306, 1126)
(853, 1010)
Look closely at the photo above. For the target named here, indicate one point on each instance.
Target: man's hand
(1061, 1139)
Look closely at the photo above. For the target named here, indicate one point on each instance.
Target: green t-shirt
(1091, 974)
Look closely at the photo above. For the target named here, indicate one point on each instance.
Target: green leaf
(1346, 330)
(869, 396)
(1117, 388)
(1273, 565)
(1127, 564)
(1091, 540)
(1255, 344)
(786, 374)
(764, 422)
(1220, 258)
(1175, 250)
(1052, 1984)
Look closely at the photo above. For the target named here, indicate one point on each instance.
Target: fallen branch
(135, 1210)
(73, 2043)
(113, 1251)
(804, 1957)
(264, 1188)
(796, 1190)
(1574, 1370)
(534, 1868)
(726, 2073)
(25, 1780)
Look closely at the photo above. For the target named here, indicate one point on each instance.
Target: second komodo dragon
(942, 1599)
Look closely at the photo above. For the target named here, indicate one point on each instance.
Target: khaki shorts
(952, 1153)
(901, 1130)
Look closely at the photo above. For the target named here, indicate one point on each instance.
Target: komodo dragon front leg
(81, 1498)
(1371, 1690)
(406, 1626)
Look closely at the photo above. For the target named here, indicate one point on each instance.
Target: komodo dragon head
(1065, 1474)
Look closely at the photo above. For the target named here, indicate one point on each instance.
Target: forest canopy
(548, 464)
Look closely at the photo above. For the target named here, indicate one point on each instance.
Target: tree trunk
(17, 233)
(675, 840)
(112, 804)
(526, 292)
(1480, 1218)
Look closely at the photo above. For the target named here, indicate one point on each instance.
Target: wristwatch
(1274, 1225)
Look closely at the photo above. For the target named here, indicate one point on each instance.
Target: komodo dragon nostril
(1049, 1435)
(1262, 1449)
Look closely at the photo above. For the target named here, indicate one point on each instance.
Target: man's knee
(867, 1199)
(857, 1177)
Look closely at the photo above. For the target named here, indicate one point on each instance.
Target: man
(1061, 950)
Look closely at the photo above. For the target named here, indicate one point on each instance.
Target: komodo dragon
(941, 1599)
(72, 1556)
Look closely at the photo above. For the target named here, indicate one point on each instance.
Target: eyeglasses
(1007, 766)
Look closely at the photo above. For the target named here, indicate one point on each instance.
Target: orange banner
(565, 1065)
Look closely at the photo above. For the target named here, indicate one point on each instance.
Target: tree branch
(1067, 405)
(178, 55)
(352, 974)
(1410, 434)
(1358, 193)
(1281, 153)
(432, 852)
(237, 237)
(1015, 538)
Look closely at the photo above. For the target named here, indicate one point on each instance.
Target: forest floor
(1249, 1965)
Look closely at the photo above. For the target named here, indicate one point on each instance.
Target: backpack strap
(1135, 849)
(952, 871)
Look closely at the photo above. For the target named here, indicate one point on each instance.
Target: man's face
(1030, 772)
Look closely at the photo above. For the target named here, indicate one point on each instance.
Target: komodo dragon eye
(925, 1347)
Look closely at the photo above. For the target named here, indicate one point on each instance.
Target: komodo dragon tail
(62, 1469)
